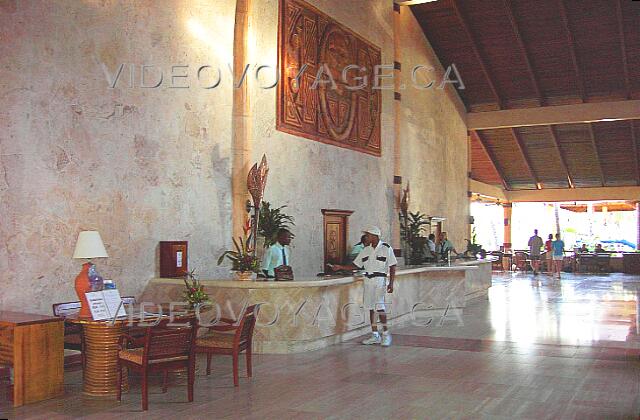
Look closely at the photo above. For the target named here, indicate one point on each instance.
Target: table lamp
(89, 246)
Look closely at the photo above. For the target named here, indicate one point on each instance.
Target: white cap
(374, 230)
(89, 245)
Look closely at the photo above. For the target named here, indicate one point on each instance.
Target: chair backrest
(165, 342)
(65, 309)
(244, 332)
(128, 300)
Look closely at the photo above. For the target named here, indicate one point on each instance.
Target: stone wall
(140, 165)
(433, 143)
(143, 165)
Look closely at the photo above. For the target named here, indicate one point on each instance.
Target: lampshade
(89, 245)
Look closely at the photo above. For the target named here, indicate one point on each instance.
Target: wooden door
(336, 232)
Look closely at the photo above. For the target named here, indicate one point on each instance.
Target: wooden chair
(165, 348)
(219, 340)
(497, 264)
(522, 261)
(72, 332)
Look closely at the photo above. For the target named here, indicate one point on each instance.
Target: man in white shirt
(535, 243)
(277, 254)
(379, 263)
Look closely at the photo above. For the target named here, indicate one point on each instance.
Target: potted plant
(474, 248)
(411, 228)
(194, 292)
(271, 220)
(244, 263)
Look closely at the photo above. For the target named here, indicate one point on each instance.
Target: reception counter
(308, 314)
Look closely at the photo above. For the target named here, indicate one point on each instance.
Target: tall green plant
(411, 229)
(271, 220)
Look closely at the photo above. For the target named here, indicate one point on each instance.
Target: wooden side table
(101, 347)
(33, 346)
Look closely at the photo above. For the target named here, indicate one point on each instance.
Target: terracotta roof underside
(523, 54)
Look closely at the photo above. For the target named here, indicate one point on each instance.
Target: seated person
(357, 248)
(584, 248)
(445, 246)
(430, 248)
(599, 249)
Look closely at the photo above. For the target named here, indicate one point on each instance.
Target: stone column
(397, 177)
(638, 228)
(507, 208)
(241, 114)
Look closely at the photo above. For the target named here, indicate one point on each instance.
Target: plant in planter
(411, 228)
(194, 293)
(243, 261)
(474, 248)
(271, 220)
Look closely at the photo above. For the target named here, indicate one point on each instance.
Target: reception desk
(308, 314)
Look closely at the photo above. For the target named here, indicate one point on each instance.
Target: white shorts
(558, 257)
(375, 290)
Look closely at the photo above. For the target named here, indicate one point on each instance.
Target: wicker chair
(522, 261)
(220, 340)
(165, 348)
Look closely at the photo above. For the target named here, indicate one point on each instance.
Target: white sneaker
(386, 339)
(374, 339)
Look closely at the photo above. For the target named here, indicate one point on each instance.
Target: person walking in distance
(548, 246)
(558, 254)
(379, 263)
(535, 243)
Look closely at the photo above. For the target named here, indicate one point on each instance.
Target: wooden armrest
(223, 328)
(227, 320)
(126, 340)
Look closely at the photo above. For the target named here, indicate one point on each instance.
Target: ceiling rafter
(572, 49)
(525, 52)
(492, 159)
(592, 135)
(634, 147)
(563, 160)
(525, 156)
(477, 53)
(623, 47)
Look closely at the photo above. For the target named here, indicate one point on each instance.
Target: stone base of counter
(309, 315)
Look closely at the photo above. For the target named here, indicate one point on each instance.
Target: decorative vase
(244, 275)
(83, 286)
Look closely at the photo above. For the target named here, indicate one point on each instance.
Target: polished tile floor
(537, 348)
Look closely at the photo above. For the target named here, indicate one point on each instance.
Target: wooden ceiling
(524, 54)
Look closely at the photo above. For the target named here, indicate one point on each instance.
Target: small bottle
(109, 284)
(95, 280)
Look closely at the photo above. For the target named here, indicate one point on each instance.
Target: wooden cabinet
(173, 258)
(33, 346)
(336, 232)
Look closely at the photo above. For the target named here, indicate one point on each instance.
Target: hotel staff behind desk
(277, 254)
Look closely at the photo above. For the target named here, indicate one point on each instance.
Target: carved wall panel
(342, 109)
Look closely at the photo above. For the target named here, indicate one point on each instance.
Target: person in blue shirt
(558, 254)
(277, 254)
(357, 248)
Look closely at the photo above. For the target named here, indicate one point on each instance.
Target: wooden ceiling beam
(623, 47)
(549, 195)
(476, 52)
(525, 52)
(551, 115)
(572, 49)
(634, 147)
(563, 161)
(592, 135)
(492, 160)
(525, 157)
